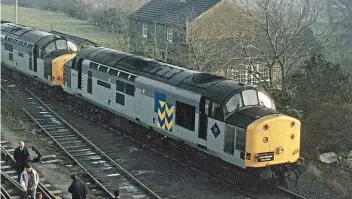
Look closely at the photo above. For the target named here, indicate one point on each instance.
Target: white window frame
(169, 34)
(145, 30)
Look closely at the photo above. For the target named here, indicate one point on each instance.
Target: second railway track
(10, 188)
(104, 171)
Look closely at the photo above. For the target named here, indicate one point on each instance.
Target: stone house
(196, 34)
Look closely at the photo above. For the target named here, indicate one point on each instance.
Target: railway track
(290, 193)
(10, 188)
(285, 192)
(103, 170)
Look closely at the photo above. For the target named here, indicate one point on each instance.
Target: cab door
(36, 55)
(216, 127)
(203, 122)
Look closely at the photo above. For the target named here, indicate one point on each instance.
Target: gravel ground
(139, 160)
(56, 174)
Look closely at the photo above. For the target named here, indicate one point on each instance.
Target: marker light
(292, 124)
(265, 139)
(292, 136)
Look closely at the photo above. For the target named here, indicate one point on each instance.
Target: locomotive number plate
(264, 157)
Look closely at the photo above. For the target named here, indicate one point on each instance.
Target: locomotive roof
(215, 87)
(29, 35)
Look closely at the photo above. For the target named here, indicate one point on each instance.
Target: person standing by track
(116, 194)
(78, 189)
(29, 182)
(21, 156)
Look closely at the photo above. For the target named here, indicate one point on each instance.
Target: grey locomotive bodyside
(140, 104)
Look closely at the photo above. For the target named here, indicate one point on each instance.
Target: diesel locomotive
(224, 118)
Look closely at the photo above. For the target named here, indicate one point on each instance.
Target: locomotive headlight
(280, 150)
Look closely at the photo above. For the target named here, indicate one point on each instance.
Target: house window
(185, 115)
(144, 30)
(20, 54)
(169, 34)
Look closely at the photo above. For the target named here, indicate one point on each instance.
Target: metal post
(16, 7)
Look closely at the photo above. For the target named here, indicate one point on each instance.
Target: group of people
(29, 178)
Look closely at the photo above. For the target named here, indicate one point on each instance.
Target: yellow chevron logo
(163, 127)
(162, 104)
(169, 124)
(158, 124)
(169, 111)
(161, 114)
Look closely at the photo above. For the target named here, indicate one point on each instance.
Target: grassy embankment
(43, 20)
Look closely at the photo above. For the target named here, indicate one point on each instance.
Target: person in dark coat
(78, 189)
(21, 156)
(116, 194)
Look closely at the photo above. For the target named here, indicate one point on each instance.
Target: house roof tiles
(175, 12)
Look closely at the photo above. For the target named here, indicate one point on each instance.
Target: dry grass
(337, 179)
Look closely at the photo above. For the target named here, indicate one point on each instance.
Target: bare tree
(281, 37)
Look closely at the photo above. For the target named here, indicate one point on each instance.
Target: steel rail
(151, 192)
(4, 193)
(67, 153)
(46, 193)
(118, 166)
(290, 193)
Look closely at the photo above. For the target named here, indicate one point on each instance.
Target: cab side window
(216, 111)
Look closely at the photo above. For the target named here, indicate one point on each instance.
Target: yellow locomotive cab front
(58, 68)
(271, 140)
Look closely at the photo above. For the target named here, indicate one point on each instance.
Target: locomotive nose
(274, 139)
